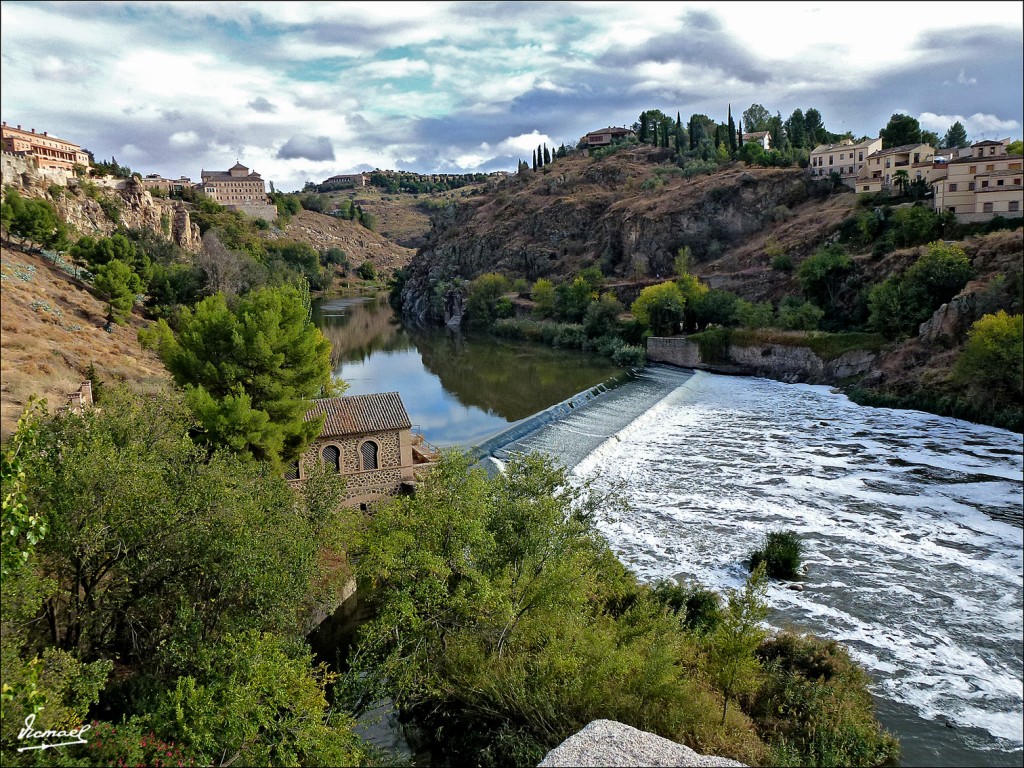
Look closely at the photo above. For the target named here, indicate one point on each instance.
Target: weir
(569, 431)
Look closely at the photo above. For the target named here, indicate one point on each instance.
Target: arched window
(368, 452)
(331, 456)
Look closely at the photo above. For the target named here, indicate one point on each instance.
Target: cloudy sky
(301, 91)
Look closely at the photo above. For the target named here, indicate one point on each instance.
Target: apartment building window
(984, 184)
(970, 187)
(860, 157)
(999, 182)
(1016, 181)
(917, 157)
(888, 163)
(973, 169)
(831, 159)
(952, 187)
(991, 150)
(1014, 205)
(987, 208)
(990, 167)
(951, 209)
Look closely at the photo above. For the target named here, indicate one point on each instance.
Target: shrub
(714, 345)
(699, 607)
(993, 359)
(366, 271)
(630, 356)
(782, 262)
(780, 553)
(660, 307)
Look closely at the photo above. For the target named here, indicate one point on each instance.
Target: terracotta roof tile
(361, 414)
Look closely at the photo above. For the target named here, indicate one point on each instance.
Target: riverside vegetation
(158, 571)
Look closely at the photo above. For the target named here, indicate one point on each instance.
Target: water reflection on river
(458, 388)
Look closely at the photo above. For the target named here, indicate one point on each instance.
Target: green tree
(816, 133)
(992, 362)
(899, 304)
(900, 131)
(250, 371)
(901, 179)
(543, 296)
(572, 299)
(32, 221)
(602, 317)
(796, 129)
(732, 133)
(660, 307)
(716, 307)
(734, 666)
(823, 275)
(1015, 147)
(956, 136)
(119, 284)
(261, 700)
(483, 300)
(366, 271)
(754, 315)
(756, 118)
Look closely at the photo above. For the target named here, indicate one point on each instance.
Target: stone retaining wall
(772, 361)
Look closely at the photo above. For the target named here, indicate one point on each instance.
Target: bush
(780, 553)
(714, 345)
(366, 271)
(630, 356)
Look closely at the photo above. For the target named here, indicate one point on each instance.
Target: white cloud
(978, 125)
(522, 144)
(184, 139)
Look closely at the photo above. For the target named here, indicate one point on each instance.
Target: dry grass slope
(51, 329)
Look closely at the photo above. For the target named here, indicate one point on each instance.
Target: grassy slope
(46, 353)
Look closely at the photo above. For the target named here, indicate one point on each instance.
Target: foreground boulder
(612, 744)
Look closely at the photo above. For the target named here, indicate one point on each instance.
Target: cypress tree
(643, 127)
(535, 159)
(692, 134)
(547, 155)
(739, 135)
(732, 133)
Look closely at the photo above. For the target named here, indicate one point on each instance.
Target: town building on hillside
(879, 172)
(238, 189)
(343, 181)
(981, 184)
(607, 136)
(48, 152)
(155, 181)
(845, 158)
(764, 138)
(369, 440)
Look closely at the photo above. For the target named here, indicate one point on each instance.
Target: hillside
(629, 213)
(52, 331)
(358, 243)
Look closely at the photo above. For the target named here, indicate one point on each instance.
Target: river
(912, 523)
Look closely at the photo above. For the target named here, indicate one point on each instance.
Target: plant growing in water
(781, 553)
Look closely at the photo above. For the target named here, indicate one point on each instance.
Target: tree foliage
(955, 136)
(899, 304)
(250, 370)
(900, 131)
(660, 307)
(32, 221)
(992, 362)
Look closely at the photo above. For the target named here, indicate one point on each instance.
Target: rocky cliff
(630, 215)
(98, 209)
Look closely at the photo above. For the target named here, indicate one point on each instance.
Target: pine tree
(732, 133)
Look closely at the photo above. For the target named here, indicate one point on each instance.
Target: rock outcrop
(611, 744)
(97, 210)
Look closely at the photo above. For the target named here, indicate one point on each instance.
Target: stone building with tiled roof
(880, 168)
(238, 189)
(369, 440)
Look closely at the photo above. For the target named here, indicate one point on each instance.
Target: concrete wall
(771, 361)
